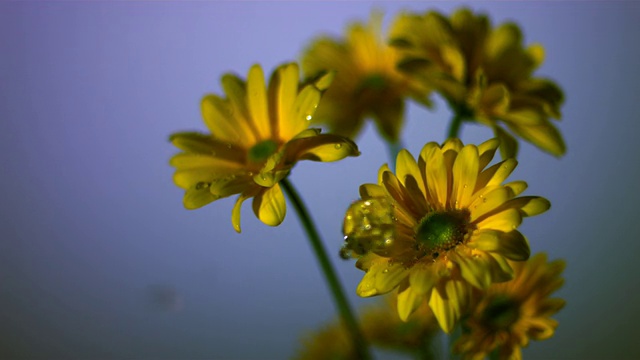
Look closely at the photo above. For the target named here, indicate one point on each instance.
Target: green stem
(454, 128)
(330, 275)
(394, 148)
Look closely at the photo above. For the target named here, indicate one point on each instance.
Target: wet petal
(198, 196)
(422, 278)
(301, 112)
(489, 202)
(381, 278)
(465, 173)
(283, 89)
(235, 213)
(504, 221)
(486, 151)
(437, 176)
(323, 147)
(530, 205)
(270, 206)
(512, 245)
(192, 142)
(368, 191)
(496, 174)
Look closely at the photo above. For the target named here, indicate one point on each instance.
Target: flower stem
(330, 275)
(454, 128)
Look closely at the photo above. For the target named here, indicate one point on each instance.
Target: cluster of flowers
(441, 230)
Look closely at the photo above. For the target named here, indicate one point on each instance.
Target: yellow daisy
(257, 135)
(507, 315)
(484, 73)
(439, 226)
(382, 328)
(367, 83)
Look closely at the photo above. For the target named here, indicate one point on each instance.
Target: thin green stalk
(330, 275)
(454, 128)
(394, 148)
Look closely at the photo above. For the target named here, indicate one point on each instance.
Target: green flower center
(374, 82)
(501, 313)
(262, 150)
(441, 231)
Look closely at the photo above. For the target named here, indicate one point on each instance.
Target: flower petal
(486, 151)
(422, 278)
(235, 213)
(465, 174)
(323, 147)
(198, 196)
(496, 174)
(381, 277)
(408, 302)
(406, 166)
(368, 191)
(508, 144)
(448, 307)
(485, 204)
(283, 89)
(257, 102)
(504, 221)
(193, 142)
(270, 206)
(544, 136)
(436, 174)
(529, 205)
(512, 245)
(301, 112)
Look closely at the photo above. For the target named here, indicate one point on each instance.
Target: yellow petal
(383, 169)
(235, 213)
(496, 174)
(283, 89)
(323, 147)
(530, 205)
(224, 126)
(368, 191)
(511, 245)
(229, 185)
(186, 178)
(436, 175)
(487, 150)
(505, 221)
(192, 142)
(479, 268)
(257, 102)
(517, 186)
(406, 166)
(301, 112)
(448, 308)
(198, 196)
(408, 302)
(489, 202)
(545, 136)
(270, 206)
(422, 278)
(508, 144)
(381, 278)
(184, 161)
(465, 173)
(236, 92)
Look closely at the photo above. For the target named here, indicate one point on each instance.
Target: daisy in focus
(507, 315)
(484, 73)
(367, 83)
(258, 133)
(438, 227)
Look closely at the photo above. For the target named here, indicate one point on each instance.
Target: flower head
(484, 73)
(439, 226)
(367, 83)
(507, 315)
(257, 135)
(382, 328)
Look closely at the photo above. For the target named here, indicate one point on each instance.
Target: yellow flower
(382, 328)
(257, 136)
(484, 73)
(366, 85)
(439, 226)
(507, 315)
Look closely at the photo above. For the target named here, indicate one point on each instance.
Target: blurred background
(98, 258)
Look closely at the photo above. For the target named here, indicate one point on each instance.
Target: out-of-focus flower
(484, 73)
(257, 136)
(382, 328)
(367, 83)
(507, 315)
(437, 226)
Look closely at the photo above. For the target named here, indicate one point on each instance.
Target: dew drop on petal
(338, 146)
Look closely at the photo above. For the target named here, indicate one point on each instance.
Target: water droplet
(338, 146)
(229, 146)
(367, 227)
(465, 186)
(202, 185)
(484, 200)
(308, 117)
(385, 271)
(367, 203)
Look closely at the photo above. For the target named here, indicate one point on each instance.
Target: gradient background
(98, 259)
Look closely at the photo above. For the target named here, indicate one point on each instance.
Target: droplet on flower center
(501, 313)
(441, 231)
(262, 150)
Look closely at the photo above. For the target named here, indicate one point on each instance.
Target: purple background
(92, 227)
